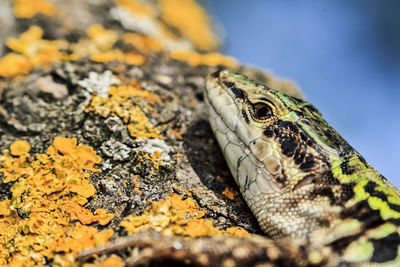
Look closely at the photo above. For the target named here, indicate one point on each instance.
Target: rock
(121, 88)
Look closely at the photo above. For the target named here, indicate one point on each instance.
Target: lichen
(103, 45)
(208, 59)
(26, 9)
(123, 101)
(175, 216)
(230, 193)
(191, 20)
(19, 148)
(114, 261)
(13, 64)
(144, 44)
(31, 50)
(45, 219)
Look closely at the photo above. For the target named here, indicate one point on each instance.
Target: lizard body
(299, 176)
(315, 197)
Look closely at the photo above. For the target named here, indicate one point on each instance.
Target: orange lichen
(142, 43)
(45, 216)
(230, 193)
(27, 9)
(104, 39)
(175, 216)
(5, 207)
(191, 20)
(36, 49)
(135, 182)
(101, 45)
(237, 231)
(123, 102)
(19, 148)
(137, 7)
(154, 158)
(103, 217)
(32, 51)
(197, 228)
(113, 260)
(117, 55)
(13, 64)
(209, 59)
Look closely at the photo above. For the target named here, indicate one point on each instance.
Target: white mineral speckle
(99, 83)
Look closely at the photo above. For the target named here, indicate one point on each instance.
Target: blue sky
(344, 55)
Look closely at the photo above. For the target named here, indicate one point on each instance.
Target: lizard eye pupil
(262, 111)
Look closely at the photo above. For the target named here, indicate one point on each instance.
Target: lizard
(315, 197)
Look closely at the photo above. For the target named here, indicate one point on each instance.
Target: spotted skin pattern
(301, 179)
(315, 197)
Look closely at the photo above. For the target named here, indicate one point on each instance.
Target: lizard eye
(262, 111)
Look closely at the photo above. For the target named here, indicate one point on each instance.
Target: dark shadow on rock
(205, 155)
(207, 160)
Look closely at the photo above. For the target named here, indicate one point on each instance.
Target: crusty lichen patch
(19, 148)
(31, 50)
(192, 32)
(208, 59)
(123, 102)
(177, 216)
(191, 20)
(230, 193)
(103, 51)
(45, 219)
(113, 261)
(26, 9)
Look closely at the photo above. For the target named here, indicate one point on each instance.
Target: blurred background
(344, 55)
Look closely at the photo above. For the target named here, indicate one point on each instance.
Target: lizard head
(279, 150)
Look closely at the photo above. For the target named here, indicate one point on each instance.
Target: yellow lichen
(191, 25)
(230, 193)
(191, 20)
(237, 231)
(155, 159)
(137, 7)
(142, 43)
(27, 9)
(45, 216)
(117, 55)
(32, 51)
(123, 102)
(140, 126)
(13, 64)
(175, 216)
(135, 182)
(36, 49)
(209, 59)
(19, 148)
(104, 39)
(102, 50)
(5, 207)
(113, 260)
